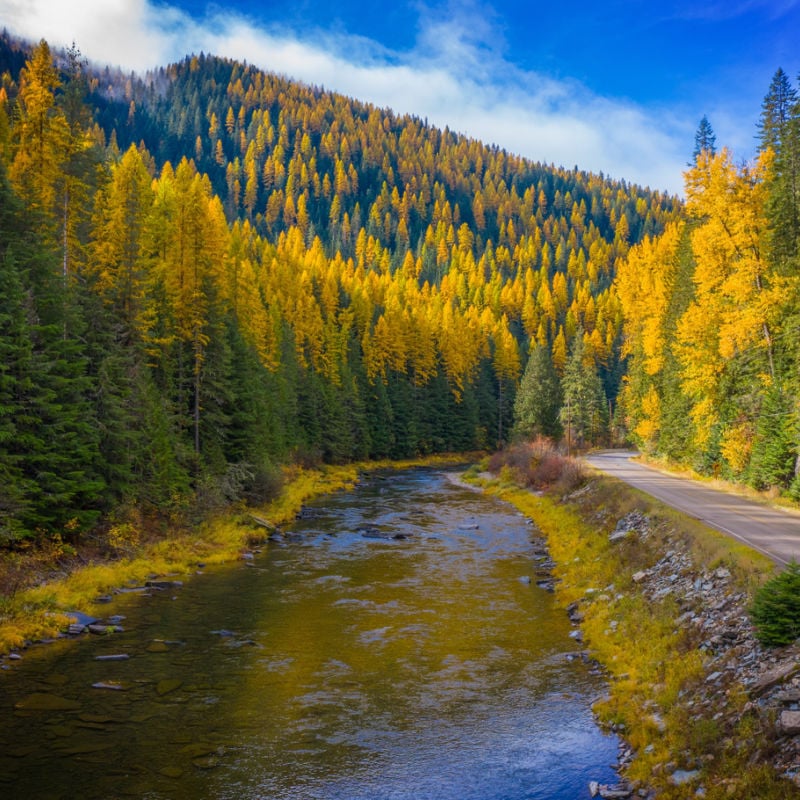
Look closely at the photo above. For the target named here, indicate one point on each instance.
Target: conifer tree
(583, 413)
(779, 130)
(539, 399)
(705, 141)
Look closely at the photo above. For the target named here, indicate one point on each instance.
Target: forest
(209, 271)
(712, 312)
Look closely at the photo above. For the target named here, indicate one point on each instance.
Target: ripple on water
(356, 669)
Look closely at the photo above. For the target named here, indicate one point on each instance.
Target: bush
(538, 465)
(776, 608)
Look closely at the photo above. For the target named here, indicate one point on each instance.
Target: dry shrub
(539, 465)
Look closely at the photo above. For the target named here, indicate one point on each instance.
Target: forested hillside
(712, 312)
(209, 271)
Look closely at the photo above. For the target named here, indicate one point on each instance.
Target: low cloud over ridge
(455, 75)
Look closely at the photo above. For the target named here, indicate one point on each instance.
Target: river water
(341, 664)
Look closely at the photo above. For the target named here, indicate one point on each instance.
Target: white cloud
(455, 75)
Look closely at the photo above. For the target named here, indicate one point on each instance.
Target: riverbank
(83, 581)
(661, 603)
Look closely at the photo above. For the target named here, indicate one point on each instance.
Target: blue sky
(617, 87)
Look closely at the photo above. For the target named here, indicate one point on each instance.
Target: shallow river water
(341, 664)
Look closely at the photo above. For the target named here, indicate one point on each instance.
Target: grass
(653, 663)
(36, 613)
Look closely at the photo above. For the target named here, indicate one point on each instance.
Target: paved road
(771, 531)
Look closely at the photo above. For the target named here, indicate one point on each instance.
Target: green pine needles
(776, 608)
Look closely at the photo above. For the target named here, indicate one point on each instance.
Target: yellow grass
(652, 663)
(38, 613)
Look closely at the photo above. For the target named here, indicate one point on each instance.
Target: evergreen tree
(705, 141)
(779, 130)
(777, 110)
(774, 452)
(584, 412)
(16, 377)
(538, 400)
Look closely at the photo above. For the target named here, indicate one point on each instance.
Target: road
(771, 531)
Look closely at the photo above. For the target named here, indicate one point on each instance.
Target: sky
(616, 87)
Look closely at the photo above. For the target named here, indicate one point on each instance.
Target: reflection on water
(389, 649)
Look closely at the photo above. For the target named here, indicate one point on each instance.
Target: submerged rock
(167, 685)
(41, 701)
(163, 584)
(171, 772)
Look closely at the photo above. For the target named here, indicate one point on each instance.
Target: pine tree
(538, 400)
(16, 377)
(774, 451)
(583, 413)
(779, 130)
(705, 141)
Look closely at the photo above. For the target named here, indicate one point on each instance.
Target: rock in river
(40, 701)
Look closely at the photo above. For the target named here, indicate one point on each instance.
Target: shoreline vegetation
(660, 602)
(43, 586)
(608, 542)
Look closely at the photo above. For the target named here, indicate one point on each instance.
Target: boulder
(774, 677)
(789, 722)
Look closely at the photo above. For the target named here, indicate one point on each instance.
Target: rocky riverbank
(705, 711)
(714, 613)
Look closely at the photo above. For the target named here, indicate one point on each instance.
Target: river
(392, 647)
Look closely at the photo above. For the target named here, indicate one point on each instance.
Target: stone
(41, 701)
(81, 618)
(157, 647)
(774, 677)
(114, 686)
(722, 573)
(681, 776)
(171, 772)
(789, 722)
(618, 792)
(113, 657)
(167, 685)
(162, 584)
(638, 577)
(208, 762)
(100, 630)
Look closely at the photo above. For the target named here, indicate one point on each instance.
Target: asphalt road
(771, 531)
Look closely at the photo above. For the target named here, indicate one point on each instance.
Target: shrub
(538, 465)
(776, 608)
